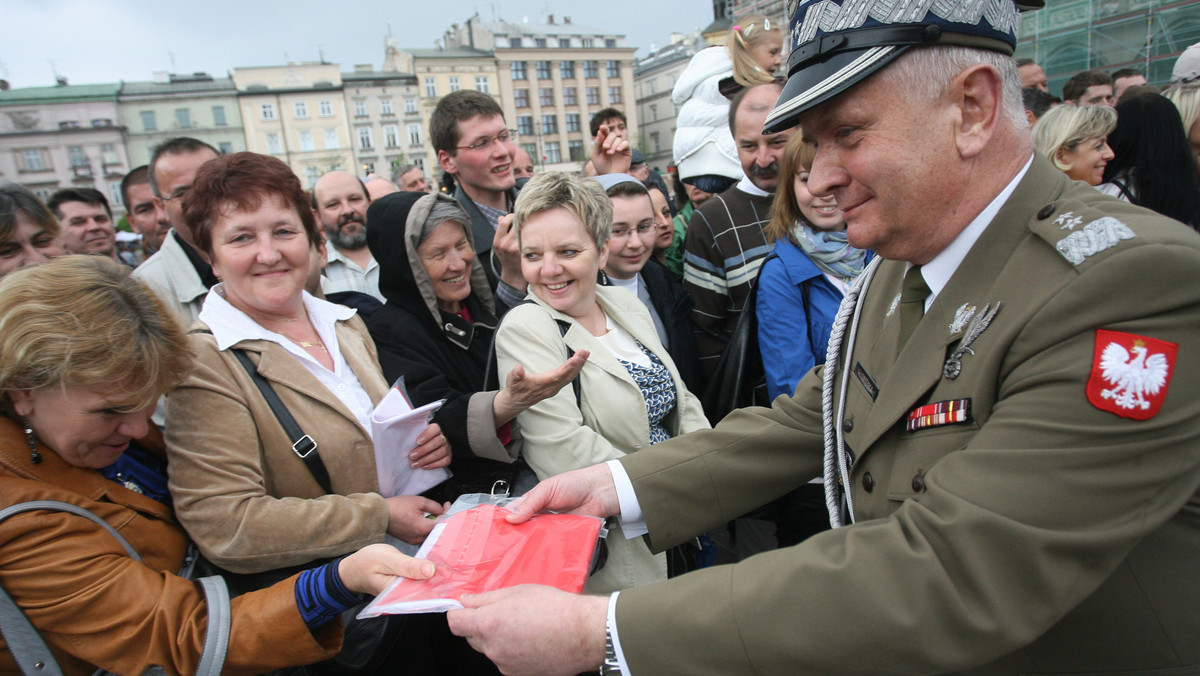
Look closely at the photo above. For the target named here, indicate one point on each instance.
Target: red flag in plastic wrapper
(477, 550)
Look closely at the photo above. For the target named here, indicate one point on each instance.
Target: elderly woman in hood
(436, 331)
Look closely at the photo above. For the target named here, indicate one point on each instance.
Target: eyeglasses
(503, 137)
(641, 229)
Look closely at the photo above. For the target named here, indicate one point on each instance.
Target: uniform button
(868, 482)
(848, 425)
(918, 483)
(1046, 212)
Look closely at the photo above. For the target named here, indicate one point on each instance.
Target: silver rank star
(1068, 221)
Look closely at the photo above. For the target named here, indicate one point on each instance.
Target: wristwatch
(610, 667)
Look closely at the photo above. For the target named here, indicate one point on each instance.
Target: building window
(114, 194)
(575, 150)
(267, 111)
(543, 70)
(587, 43)
(311, 174)
(148, 121)
(419, 162)
(331, 139)
(521, 98)
(591, 69)
(593, 96)
(78, 157)
(653, 85)
(573, 123)
(414, 134)
(410, 105)
(43, 193)
(564, 43)
(610, 42)
(360, 109)
(567, 68)
(183, 118)
(391, 135)
(569, 96)
(273, 145)
(365, 142)
(614, 94)
(546, 96)
(325, 108)
(301, 109)
(540, 43)
(549, 124)
(524, 125)
(219, 116)
(653, 112)
(225, 147)
(553, 152)
(654, 142)
(530, 148)
(430, 87)
(306, 140)
(614, 68)
(483, 84)
(515, 43)
(518, 70)
(385, 107)
(455, 85)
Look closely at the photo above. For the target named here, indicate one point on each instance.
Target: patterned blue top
(658, 390)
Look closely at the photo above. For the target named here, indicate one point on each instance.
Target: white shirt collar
(230, 325)
(937, 272)
(747, 186)
(631, 284)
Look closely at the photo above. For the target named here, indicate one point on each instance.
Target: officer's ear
(977, 93)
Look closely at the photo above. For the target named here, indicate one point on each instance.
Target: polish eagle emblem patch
(1130, 374)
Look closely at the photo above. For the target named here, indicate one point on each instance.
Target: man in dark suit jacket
(1013, 417)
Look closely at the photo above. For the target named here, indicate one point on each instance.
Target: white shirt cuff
(612, 623)
(632, 522)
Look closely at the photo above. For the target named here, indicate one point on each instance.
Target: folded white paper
(395, 426)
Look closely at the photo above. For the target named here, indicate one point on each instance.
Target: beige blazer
(246, 499)
(609, 423)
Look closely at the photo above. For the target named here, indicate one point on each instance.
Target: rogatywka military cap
(837, 44)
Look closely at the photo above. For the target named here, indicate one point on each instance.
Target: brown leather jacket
(97, 607)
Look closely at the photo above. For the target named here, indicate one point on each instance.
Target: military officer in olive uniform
(1010, 423)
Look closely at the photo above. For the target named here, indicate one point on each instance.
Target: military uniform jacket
(1043, 535)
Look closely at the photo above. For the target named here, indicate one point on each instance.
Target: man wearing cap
(1012, 412)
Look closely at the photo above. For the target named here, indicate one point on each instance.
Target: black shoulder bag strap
(30, 651)
(304, 446)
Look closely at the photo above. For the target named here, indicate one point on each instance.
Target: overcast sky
(91, 41)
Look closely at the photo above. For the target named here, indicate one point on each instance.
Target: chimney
(550, 19)
(60, 80)
(566, 19)
(4, 85)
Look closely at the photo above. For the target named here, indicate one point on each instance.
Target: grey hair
(402, 170)
(925, 72)
(442, 211)
(583, 197)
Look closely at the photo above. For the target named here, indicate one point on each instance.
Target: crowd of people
(834, 250)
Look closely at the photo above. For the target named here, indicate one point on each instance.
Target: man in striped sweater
(725, 244)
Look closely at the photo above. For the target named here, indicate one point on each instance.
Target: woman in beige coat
(630, 393)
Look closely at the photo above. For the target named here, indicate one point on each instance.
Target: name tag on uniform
(951, 412)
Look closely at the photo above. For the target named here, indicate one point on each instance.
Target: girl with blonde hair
(755, 46)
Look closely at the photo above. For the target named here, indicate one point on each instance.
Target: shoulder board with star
(1080, 233)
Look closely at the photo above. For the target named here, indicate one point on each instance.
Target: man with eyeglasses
(177, 272)
(475, 145)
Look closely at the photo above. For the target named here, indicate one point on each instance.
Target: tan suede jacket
(247, 500)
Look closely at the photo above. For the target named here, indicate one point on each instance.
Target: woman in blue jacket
(799, 289)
